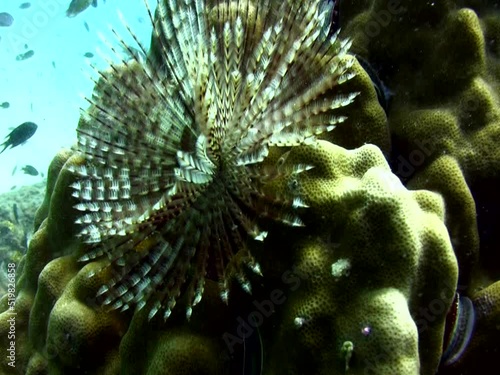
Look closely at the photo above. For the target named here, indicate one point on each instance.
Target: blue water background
(52, 97)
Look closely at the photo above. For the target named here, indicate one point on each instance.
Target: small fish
(54, 64)
(6, 19)
(15, 212)
(5, 105)
(25, 55)
(24, 5)
(29, 169)
(78, 6)
(88, 55)
(13, 187)
(14, 170)
(86, 25)
(19, 135)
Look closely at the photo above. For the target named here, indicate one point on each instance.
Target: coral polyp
(175, 146)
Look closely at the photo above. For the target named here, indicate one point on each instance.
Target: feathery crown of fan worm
(175, 145)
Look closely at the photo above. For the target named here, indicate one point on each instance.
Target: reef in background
(17, 214)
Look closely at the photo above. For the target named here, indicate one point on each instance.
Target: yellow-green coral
(444, 118)
(395, 257)
(364, 220)
(445, 176)
(81, 334)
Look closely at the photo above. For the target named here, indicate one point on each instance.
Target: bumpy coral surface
(380, 256)
(392, 229)
(445, 103)
(444, 122)
(335, 303)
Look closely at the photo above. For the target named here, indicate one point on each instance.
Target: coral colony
(175, 146)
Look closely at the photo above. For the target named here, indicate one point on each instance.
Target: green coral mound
(375, 254)
(445, 76)
(381, 253)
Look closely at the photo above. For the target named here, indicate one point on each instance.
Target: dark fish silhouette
(25, 55)
(25, 5)
(29, 169)
(78, 6)
(19, 135)
(5, 105)
(88, 55)
(6, 19)
(86, 25)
